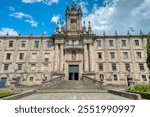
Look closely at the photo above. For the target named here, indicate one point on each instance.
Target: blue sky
(38, 16)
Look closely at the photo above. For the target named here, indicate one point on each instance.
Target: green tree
(148, 51)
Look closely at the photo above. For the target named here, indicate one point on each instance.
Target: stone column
(56, 59)
(91, 58)
(86, 67)
(61, 58)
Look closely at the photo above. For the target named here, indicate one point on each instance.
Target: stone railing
(51, 82)
(95, 82)
(77, 46)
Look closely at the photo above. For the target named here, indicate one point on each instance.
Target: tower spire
(80, 10)
(73, 9)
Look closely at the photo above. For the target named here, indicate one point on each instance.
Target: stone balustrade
(97, 83)
(53, 81)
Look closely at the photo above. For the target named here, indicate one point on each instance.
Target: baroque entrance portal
(73, 72)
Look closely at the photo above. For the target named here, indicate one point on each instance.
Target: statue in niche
(73, 55)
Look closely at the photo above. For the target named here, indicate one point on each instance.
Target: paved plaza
(73, 96)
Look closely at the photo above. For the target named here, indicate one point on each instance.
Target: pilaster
(86, 67)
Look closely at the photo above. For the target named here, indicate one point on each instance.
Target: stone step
(71, 91)
(73, 85)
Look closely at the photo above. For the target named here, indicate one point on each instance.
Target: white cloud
(47, 2)
(10, 31)
(84, 7)
(28, 18)
(32, 22)
(20, 15)
(121, 15)
(55, 19)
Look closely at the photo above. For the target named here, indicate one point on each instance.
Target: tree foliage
(148, 51)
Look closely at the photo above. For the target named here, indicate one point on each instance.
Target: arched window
(31, 78)
(144, 78)
(115, 77)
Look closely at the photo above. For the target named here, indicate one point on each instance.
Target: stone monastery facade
(73, 51)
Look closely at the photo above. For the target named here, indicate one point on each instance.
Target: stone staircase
(72, 87)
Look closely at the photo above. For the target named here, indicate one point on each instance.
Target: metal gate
(3, 82)
(73, 72)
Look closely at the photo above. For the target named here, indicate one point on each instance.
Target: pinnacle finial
(128, 33)
(57, 28)
(141, 33)
(43, 34)
(80, 10)
(89, 27)
(73, 9)
(31, 34)
(104, 33)
(116, 32)
(7, 34)
(19, 34)
(84, 27)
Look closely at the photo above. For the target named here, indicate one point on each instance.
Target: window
(33, 65)
(73, 42)
(127, 66)
(21, 56)
(99, 43)
(31, 78)
(111, 43)
(100, 55)
(139, 54)
(112, 54)
(137, 42)
(141, 66)
(80, 42)
(49, 44)
(8, 56)
(36, 44)
(6, 66)
(144, 78)
(34, 53)
(124, 43)
(101, 67)
(46, 60)
(114, 68)
(115, 77)
(23, 44)
(19, 66)
(67, 42)
(47, 53)
(10, 44)
(125, 55)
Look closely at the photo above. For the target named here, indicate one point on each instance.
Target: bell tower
(73, 19)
